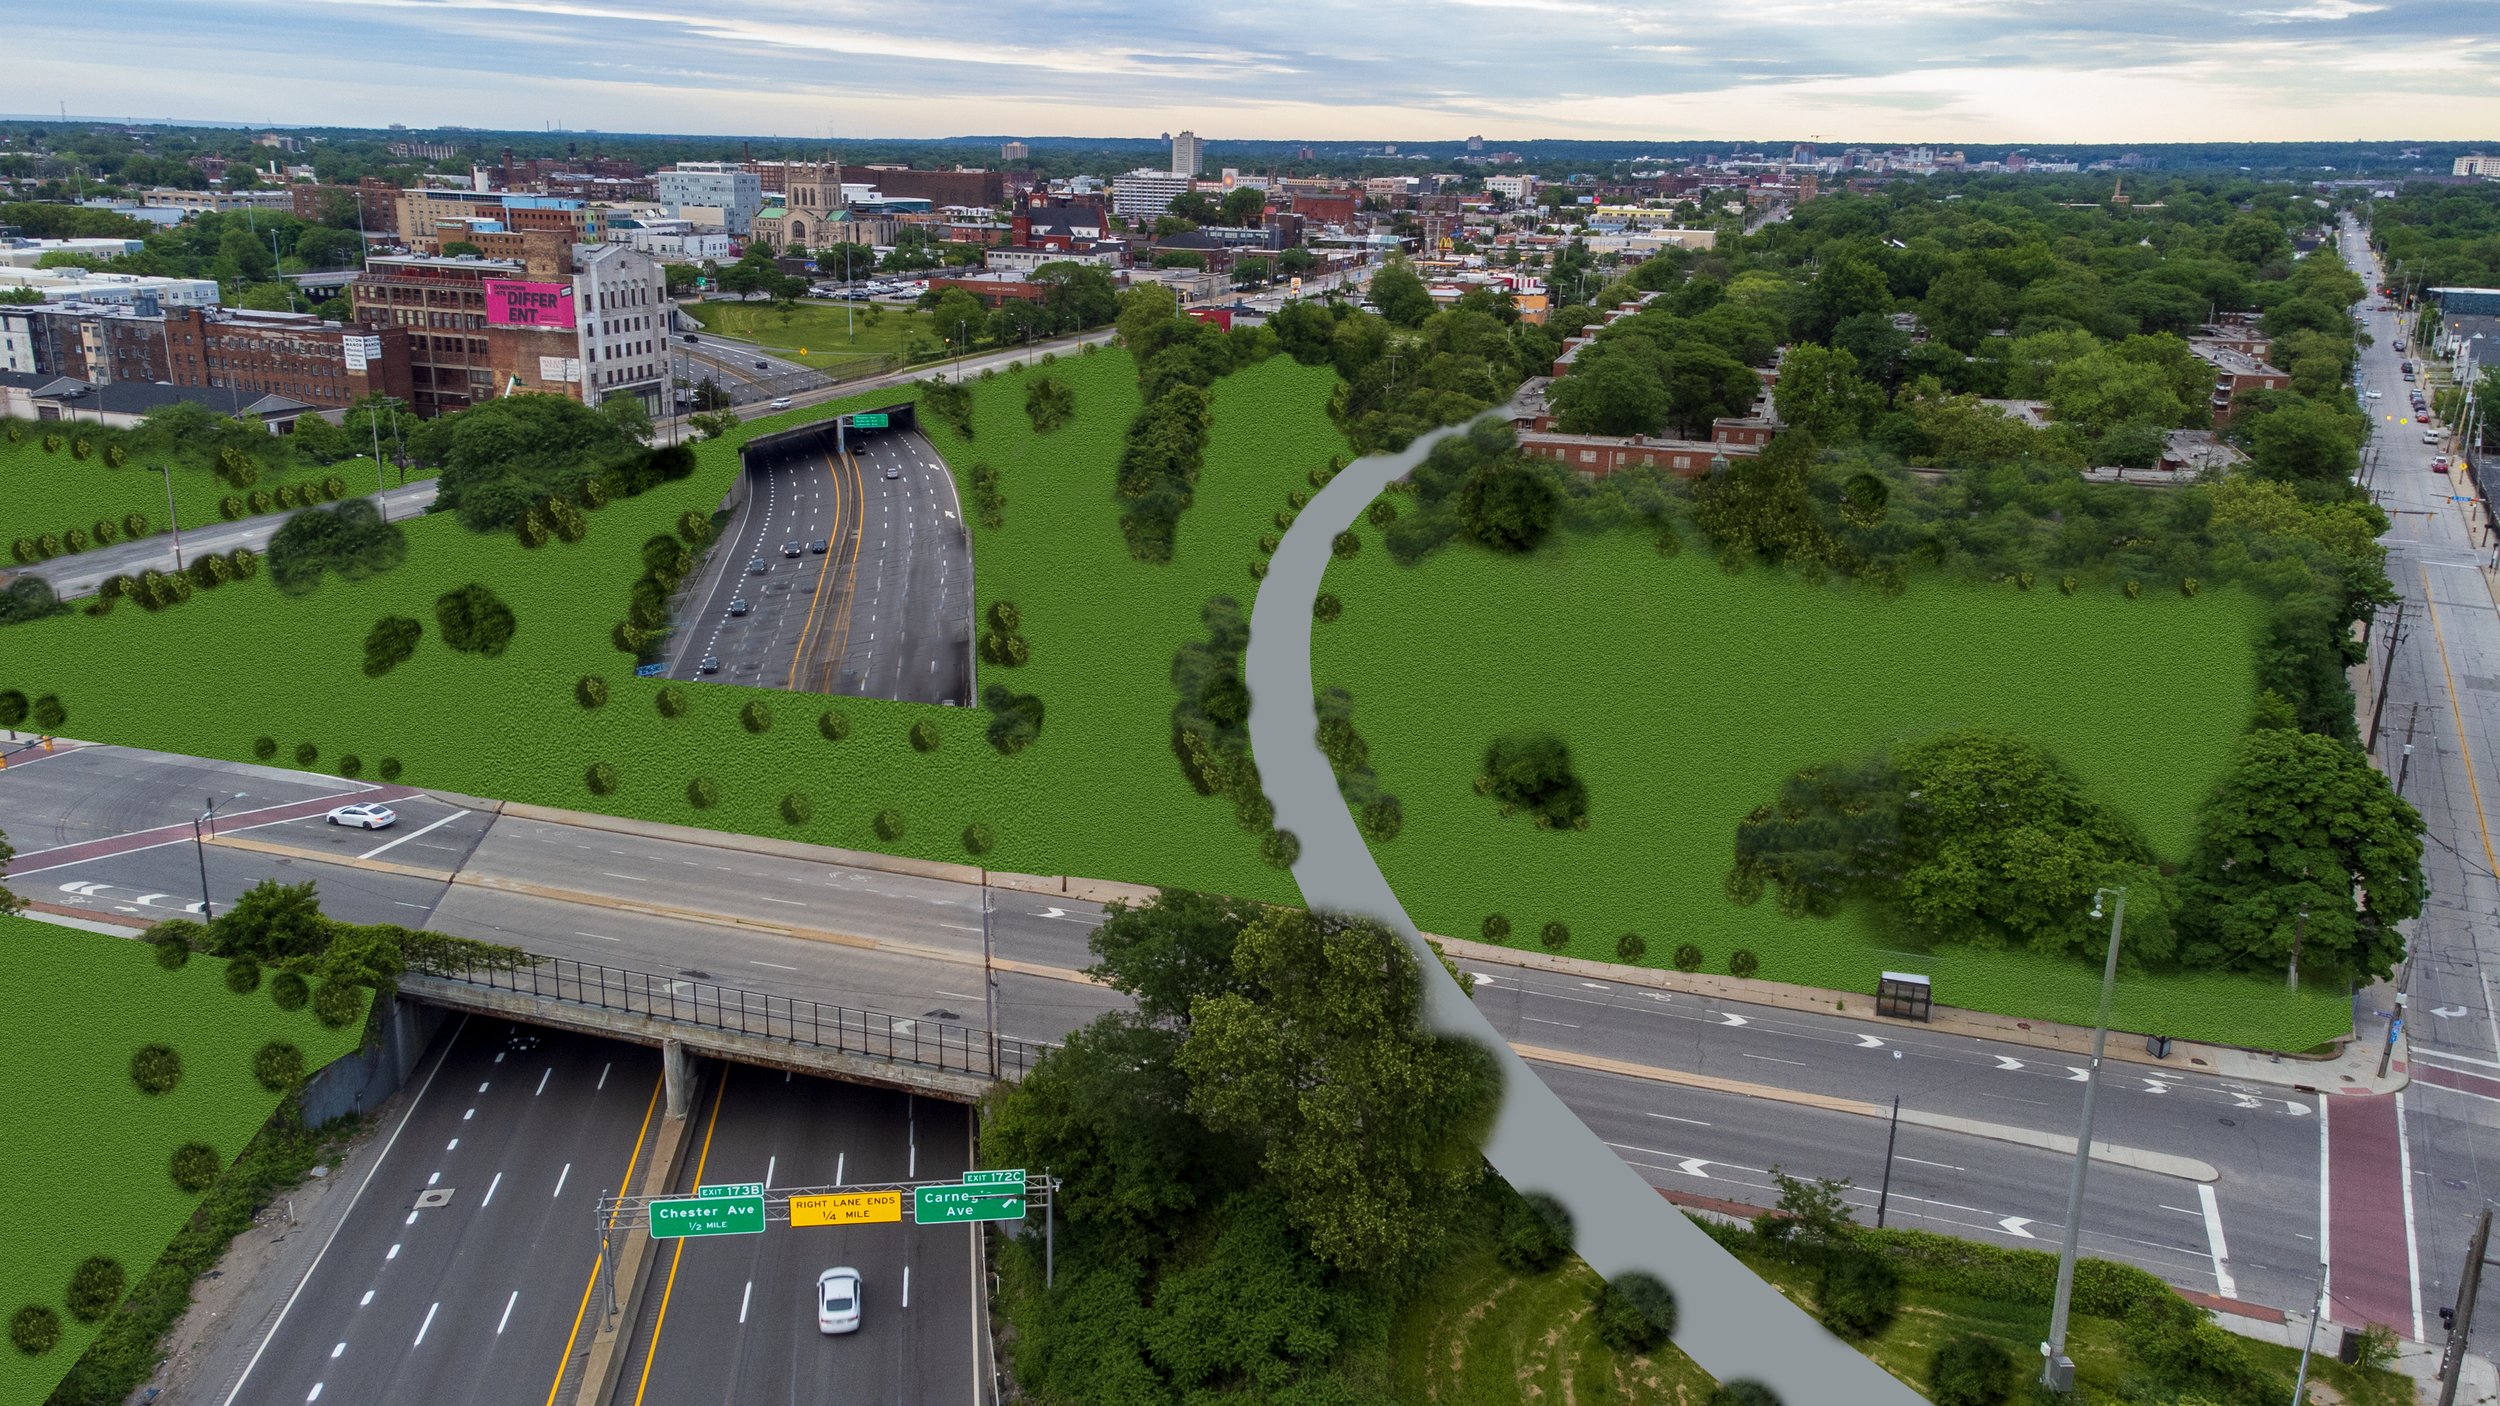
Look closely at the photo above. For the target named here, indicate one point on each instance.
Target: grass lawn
(1479, 1335)
(815, 332)
(1099, 794)
(1687, 695)
(85, 1145)
(42, 492)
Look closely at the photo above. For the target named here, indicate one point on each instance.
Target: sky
(1977, 71)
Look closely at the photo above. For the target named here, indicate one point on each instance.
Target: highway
(2435, 1151)
(462, 1269)
(885, 611)
(77, 574)
(732, 1319)
(911, 946)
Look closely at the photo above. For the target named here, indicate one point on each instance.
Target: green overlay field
(89, 1154)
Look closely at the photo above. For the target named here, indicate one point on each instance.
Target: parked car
(837, 1300)
(2376, 394)
(2430, 436)
(2439, 466)
(370, 815)
(738, 605)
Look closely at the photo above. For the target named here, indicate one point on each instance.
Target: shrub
(1268, 543)
(1635, 1312)
(49, 714)
(1496, 928)
(756, 716)
(924, 736)
(155, 1069)
(1004, 617)
(600, 778)
(244, 563)
(1381, 513)
(173, 951)
(1344, 545)
(1015, 718)
(116, 456)
(1971, 1369)
(1532, 772)
(1258, 569)
(278, 1066)
(833, 725)
(891, 825)
(306, 754)
(1743, 1394)
(1743, 963)
(34, 1329)
(1280, 849)
(2133, 589)
(104, 532)
(333, 487)
(475, 620)
(390, 643)
(1631, 947)
(48, 545)
(264, 747)
(351, 766)
(25, 550)
(1554, 937)
(243, 975)
(95, 1287)
(82, 449)
(388, 769)
(195, 1167)
(591, 691)
(703, 793)
(1535, 1233)
(979, 838)
(259, 501)
(797, 809)
(1380, 819)
(290, 991)
(1326, 607)
(1856, 1293)
(335, 1003)
(1687, 957)
(671, 701)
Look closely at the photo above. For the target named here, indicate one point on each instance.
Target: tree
(1507, 504)
(1170, 951)
(1704, 383)
(1049, 403)
(273, 924)
(1971, 1369)
(462, 249)
(1821, 392)
(2303, 842)
(1399, 292)
(630, 416)
(1963, 306)
(1252, 271)
(1322, 1063)
(474, 620)
(1614, 394)
(9, 902)
(1243, 205)
(2305, 442)
(351, 539)
(504, 457)
(1532, 772)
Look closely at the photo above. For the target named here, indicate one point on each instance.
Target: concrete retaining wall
(368, 1076)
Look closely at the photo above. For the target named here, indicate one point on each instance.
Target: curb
(606, 1361)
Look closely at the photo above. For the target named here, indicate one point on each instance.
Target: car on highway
(2439, 465)
(837, 1300)
(762, 365)
(738, 605)
(791, 549)
(780, 402)
(2374, 395)
(691, 339)
(710, 664)
(820, 546)
(368, 815)
(756, 567)
(893, 471)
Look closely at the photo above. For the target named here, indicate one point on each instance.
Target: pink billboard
(512, 303)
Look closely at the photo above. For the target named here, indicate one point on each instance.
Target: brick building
(2236, 374)
(101, 343)
(482, 328)
(297, 355)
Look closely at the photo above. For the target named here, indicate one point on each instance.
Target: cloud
(2317, 10)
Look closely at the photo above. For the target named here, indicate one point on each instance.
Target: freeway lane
(737, 1320)
(460, 1272)
(912, 946)
(802, 499)
(908, 612)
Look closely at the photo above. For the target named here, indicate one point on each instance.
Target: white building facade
(707, 190)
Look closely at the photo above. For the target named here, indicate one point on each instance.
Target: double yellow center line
(839, 466)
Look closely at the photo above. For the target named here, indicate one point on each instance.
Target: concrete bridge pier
(678, 1067)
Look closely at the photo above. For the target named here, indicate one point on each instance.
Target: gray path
(1733, 1324)
(77, 574)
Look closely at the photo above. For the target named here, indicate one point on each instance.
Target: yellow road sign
(847, 1208)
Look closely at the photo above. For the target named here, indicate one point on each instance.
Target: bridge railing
(932, 1044)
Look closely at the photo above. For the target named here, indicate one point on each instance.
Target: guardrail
(689, 1000)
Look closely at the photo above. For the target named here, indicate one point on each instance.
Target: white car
(837, 1301)
(781, 403)
(371, 815)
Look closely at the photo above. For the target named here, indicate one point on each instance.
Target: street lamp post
(172, 514)
(199, 843)
(2057, 1372)
(989, 979)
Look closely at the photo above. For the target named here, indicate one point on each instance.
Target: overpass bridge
(687, 1014)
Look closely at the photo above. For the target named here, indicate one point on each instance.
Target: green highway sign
(707, 1215)
(1005, 1177)
(730, 1188)
(868, 422)
(954, 1205)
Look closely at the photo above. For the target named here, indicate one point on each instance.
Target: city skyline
(1941, 71)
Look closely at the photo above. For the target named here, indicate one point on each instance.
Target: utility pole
(172, 514)
(2396, 1018)
(2395, 637)
(989, 978)
(199, 843)
(2452, 1361)
(2406, 763)
(2300, 934)
(2058, 1371)
(1883, 1198)
(2317, 1310)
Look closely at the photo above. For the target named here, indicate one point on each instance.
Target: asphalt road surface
(462, 1269)
(885, 611)
(913, 946)
(2420, 1166)
(78, 573)
(732, 1318)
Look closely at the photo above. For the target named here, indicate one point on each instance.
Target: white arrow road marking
(1869, 1042)
(2244, 1101)
(2077, 1076)
(2299, 1110)
(2013, 1225)
(85, 890)
(2155, 1086)
(1692, 1167)
(2447, 1012)
(1731, 1018)
(2008, 1062)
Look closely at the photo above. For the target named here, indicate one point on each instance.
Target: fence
(930, 1044)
